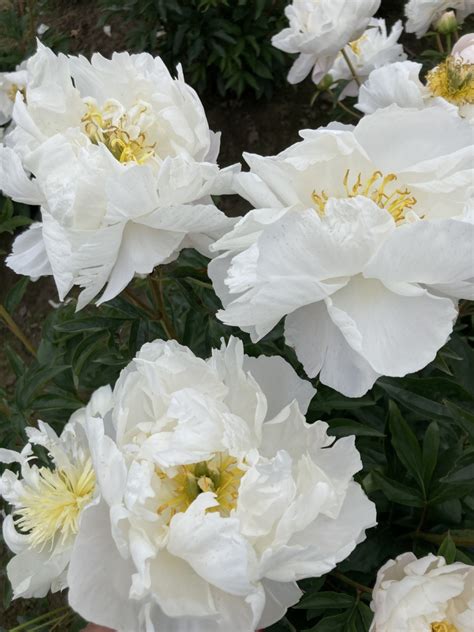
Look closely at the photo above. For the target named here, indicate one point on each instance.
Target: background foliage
(415, 435)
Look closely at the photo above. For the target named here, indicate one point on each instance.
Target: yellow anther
(453, 80)
(443, 626)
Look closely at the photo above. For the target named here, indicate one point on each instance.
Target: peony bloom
(421, 14)
(353, 240)
(319, 30)
(47, 501)
(217, 496)
(423, 595)
(10, 84)
(450, 84)
(373, 49)
(124, 131)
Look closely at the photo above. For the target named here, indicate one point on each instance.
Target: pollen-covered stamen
(50, 507)
(443, 626)
(13, 91)
(396, 201)
(453, 80)
(119, 133)
(221, 475)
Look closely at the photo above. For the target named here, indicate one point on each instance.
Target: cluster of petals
(400, 83)
(214, 495)
(362, 238)
(88, 141)
(421, 14)
(426, 595)
(319, 30)
(10, 84)
(374, 49)
(38, 530)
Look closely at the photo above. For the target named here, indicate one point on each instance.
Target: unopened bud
(325, 83)
(447, 23)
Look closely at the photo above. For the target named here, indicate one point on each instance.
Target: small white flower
(421, 14)
(374, 48)
(353, 240)
(217, 496)
(319, 30)
(423, 595)
(42, 29)
(107, 30)
(124, 165)
(47, 501)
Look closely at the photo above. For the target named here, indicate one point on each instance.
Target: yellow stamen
(355, 45)
(397, 202)
(52, 506)
(13, 90)
(220, 475)
(100, 130)
(453, 80)
(443, 626)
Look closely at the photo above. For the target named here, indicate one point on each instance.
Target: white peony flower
(318, 30)
(421, 14)
(47, 501)
(353, 240)
(423, 595)
(10, 84)
(374, 48)
(449, 85)
(217, 496)
(123, 163)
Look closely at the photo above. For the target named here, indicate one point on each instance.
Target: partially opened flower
(374, 48)
(353, 240)
(318, 30)
(124, 130)
(421, 14)
(426, 595)
(47, 501)
(216, 496)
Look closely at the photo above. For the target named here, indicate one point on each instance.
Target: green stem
(156, 287)
(350, 582)
(15, 329)
(354, 74)
(43, 617)
(137, 302)
(439, 43)
(449, 42)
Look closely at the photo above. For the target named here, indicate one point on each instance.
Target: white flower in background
(374, 48)
(449, 85)
(352, 239)
(10, 84)
(217, 496)
(47, 501)
(126, 130)
(421, 14)
(423, 595)
(42, 29)
(318, 30)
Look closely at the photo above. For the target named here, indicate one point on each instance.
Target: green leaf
(430, 451)
(447, 549)
(397, 492)
(325, 600)
(406, 444)
(345, 427)
(16, 293)
(33, 380)
(415, 402)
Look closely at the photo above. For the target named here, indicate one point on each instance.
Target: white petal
(14, 182)
(280, 383)
(32, 572)
(29, 255)
(279, 597)
(321, 348)
(396, 334)
(301, 68)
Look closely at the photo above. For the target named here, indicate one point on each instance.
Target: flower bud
(325, 83)
(447, 23)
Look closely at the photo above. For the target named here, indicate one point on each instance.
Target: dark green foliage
(223, 45)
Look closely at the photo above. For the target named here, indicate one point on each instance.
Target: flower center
(118, 130)
(443, 626)
(221, 476)
(355, 45)
(52, 504)
(13, 90)
(452, 80)
(377, 188)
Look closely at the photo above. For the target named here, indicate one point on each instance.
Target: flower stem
(156, 286)
(354, 74)
(15, 329)
(44, 619)
(350, 582)
(439, 43)
(137, 302)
